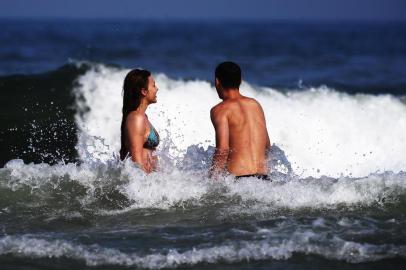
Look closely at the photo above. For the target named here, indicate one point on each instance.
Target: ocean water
(334, 97)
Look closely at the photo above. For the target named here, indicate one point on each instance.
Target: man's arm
(220, 123)
(268, 141)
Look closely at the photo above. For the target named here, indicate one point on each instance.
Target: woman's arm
(136, 128)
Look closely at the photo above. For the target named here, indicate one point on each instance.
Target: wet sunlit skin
(138, 129)
(242, 139)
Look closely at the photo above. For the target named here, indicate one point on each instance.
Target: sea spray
(321, 131)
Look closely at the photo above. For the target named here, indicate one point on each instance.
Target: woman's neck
(143, 106)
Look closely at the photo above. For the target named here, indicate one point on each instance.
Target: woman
(138, 137)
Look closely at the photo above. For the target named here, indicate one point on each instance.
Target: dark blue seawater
(354, 57)
(334, 98)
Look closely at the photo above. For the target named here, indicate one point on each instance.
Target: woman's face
(152, 90)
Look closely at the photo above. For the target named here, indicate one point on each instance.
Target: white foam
(272, 247)
(158, 190)
(180, 114)
(323, 132)
(177, 188)
(319, 193)
(164, 190)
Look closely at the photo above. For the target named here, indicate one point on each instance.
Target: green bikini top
(153, 138)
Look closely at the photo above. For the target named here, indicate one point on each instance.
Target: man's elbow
(219, 162)
(222, 151)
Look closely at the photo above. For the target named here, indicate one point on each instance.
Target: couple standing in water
(242, 141)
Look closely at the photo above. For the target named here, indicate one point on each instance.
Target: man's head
(228, 76)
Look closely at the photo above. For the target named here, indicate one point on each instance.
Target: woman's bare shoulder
(136, 121)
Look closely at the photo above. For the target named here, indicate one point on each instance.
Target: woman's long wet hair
(135, 80)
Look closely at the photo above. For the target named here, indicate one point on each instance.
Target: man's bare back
(242, 139)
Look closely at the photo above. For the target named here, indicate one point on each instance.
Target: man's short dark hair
(229, 74)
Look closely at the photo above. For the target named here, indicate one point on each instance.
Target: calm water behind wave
(367, 57)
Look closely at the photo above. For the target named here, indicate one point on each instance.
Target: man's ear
(217, 82)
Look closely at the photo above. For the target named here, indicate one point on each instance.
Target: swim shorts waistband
(256, 175)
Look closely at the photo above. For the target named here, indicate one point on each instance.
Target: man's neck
(231, 93)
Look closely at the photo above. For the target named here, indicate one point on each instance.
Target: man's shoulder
(218, 107)
(219, 111)
(250, 100)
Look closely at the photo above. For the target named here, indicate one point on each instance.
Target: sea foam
(89, 186)
(321, 131)
(271, 248)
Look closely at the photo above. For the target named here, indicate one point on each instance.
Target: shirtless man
(242, 140)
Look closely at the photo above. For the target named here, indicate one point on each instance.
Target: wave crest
(322, 131)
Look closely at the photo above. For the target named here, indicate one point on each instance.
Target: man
(242, 140)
